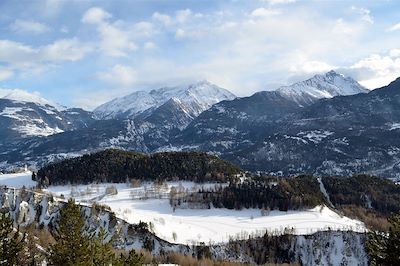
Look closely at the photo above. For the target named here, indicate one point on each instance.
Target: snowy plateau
(338, 235)
(149, 203)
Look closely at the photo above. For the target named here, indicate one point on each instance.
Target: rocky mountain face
(23, 114)
(144, 122)
(338, 136)
(268, 131)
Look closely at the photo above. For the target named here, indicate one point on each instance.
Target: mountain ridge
(20, 95)
(264, 132)
(197, 97)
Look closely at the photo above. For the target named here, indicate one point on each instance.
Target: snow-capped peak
(197, 97)
(24, 96)
(326, 85)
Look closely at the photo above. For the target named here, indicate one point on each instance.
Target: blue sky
(85, 52)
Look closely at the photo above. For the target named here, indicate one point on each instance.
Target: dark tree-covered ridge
(370, 193)
(117, 166)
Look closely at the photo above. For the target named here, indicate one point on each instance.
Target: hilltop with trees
(118, 166)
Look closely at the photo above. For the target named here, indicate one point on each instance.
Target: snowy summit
(196, 97)
(24, 96)
(320, 86)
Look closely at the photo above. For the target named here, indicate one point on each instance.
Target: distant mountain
(267, 131)
(194, 99)
(342, 135)
(24, 114)
(328, 85)
(19, 95)
(246, 118)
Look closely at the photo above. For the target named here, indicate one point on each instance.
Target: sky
(86, 52)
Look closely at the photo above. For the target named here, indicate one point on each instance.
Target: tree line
(260, 192)
(370, 193)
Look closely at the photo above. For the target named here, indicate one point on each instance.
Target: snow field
(17, 180)
(150, 203)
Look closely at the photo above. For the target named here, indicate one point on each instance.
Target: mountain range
(326, 125)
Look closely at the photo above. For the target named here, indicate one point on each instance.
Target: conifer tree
(101, 251)
(393, 242)
(384, 248)
(72, 246)
(12, 242)
(133, 259)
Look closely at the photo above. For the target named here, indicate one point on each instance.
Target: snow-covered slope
(24, 96)
(195, 98)
(23, 116)
(328, 85)
(149, 203)
(28, 208)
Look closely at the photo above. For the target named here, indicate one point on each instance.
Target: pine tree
(384, 248)
(101, 251)
(133, 259)
(393, 242)
(72, 247)
(12, 242)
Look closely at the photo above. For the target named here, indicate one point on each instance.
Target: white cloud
(394, 27)
(120, 75)
(65, 50)
(278, 2)
(26, 60)
(183, 15)
(16, 53)
(144, 29)
(28, 26)
(264, 12)
(242, 47)
(180, 33)
(244, 52)
(165, 19)
(311, 67)
(343, 27)
(377, 70)
(5, 74)
(95, 15)
(394, 53)
(115, 40)
(364, 13)
(149, 45)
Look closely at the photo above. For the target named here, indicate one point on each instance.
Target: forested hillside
(118, 166)
(264, 193)
(366, 191)
(367, 198)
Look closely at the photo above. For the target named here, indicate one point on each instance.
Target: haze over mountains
(280, 132)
